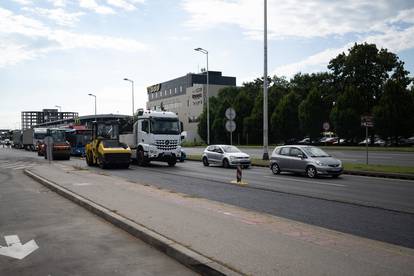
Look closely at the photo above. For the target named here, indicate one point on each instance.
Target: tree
(284, 120)
(312, 114)
(346, 116)
(366, 69)
(394, 113)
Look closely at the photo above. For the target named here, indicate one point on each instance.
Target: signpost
(230, 124)
(49, 147)
(367, 121)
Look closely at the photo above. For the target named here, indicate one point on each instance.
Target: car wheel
(275, 169)
(205, 161)
(246, 166)
(311, 172)
(226, 163)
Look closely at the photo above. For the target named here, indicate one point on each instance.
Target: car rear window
(284, 151)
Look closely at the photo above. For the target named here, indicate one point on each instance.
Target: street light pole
(265, 102)
(207, 95)
(132, 82)
(60, 111)
(92, 95)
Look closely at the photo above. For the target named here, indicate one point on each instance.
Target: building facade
(32, 118)
(186, 96)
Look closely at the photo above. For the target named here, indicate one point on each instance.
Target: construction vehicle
(105, 150)
(61, 147)
(78, 136)
(156, 137)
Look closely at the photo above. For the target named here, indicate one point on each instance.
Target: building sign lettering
(154, 88)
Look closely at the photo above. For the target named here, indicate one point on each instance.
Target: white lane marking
(15, 249)
(305, 181)
(81, 184)
(19, 168)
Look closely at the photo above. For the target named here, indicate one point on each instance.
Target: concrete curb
(361, 173)
(192, 259)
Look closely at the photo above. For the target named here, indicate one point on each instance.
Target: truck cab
(156, 137)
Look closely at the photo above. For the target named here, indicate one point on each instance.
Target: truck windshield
(58, 135)
(39, 136)
(108, 131)
(165, 126)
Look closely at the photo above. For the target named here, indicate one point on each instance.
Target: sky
(56, 52)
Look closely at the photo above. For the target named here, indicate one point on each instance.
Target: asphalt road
(347, 156)
(71, 240)
(375, 208)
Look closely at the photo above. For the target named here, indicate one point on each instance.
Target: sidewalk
(215, 238)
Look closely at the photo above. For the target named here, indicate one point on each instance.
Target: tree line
(364, 81)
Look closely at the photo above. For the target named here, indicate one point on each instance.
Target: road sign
(367, 121)
(326, 126)
(15, 249)
(230, 125)
(230, 113)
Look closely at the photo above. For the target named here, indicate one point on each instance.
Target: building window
(170, 90)
(175, 90)
(181, 89)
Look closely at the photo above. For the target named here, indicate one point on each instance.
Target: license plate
(167, 154)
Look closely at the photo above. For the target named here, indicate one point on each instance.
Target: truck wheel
(89, 160)
(101, 163)
(172, 162)
(141, 158)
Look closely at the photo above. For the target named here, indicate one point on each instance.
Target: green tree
(345, 114)
(284, 120)
(312, 114)
(394, 113)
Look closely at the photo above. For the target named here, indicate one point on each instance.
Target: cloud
(121, 4)
(93, 6)
(294, 18)
(58, 3)
(23, 2)
(12, 53)
(59, 15)
(40, 39)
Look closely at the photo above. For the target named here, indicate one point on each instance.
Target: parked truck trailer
(28, 139)
(17, 139)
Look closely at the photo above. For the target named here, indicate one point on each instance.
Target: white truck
(38, 135)
(156, 137)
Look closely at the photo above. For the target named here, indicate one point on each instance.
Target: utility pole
(265, 101)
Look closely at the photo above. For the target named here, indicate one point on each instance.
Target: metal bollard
(239, 174)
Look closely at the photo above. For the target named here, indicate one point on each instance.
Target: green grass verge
(347, 166)
(378, 168)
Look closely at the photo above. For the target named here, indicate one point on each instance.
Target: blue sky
(55, 52)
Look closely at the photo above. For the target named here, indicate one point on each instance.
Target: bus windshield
(165, 126)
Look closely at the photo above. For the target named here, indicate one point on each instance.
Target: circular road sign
(230, 125)
(230, 113)
(326, 126)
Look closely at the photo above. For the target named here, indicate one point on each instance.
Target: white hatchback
(225, 155)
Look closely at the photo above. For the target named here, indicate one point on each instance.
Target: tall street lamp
(207, 95)
(132, 82)
(92, 95)
(60, 111)
(265, 104)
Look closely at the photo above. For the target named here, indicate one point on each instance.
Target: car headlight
(231, 158)
(319, 163)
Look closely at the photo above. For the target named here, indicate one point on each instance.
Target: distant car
(225, 155)
(309, 160)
